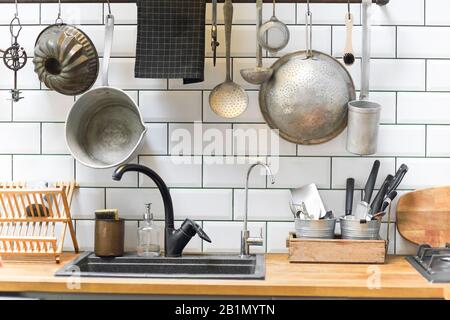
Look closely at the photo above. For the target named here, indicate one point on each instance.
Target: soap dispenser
(148, 236)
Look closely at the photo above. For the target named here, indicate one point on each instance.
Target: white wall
(409, 78)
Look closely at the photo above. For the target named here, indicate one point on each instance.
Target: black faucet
(174, 239)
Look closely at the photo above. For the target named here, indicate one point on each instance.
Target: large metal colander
(306, 98)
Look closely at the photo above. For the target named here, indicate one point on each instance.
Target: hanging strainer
(228, 99)
(273, 35)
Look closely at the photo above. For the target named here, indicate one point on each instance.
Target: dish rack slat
(34, 222)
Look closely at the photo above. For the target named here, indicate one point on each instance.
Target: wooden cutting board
(423, 216)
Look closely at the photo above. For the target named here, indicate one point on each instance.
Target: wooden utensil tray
(336, 250)
(33, 222)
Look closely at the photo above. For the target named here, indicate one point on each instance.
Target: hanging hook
(349, 12)
(109, 6)
(15, 22)
(308, 24)
(59, 20)
(17, 9)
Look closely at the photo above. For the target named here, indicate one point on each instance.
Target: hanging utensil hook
(349, 11)
(17, 9)
(15, 22)
(109, 6)
(59, 20)
(308, 20)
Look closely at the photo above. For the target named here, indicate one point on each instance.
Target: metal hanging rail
(379, 2)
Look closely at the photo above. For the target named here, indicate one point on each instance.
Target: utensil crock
(109, 237)
(315, 229)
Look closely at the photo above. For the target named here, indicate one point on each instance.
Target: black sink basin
(189, 266)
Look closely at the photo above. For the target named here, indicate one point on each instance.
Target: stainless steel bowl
(315, 229)
(104, 128)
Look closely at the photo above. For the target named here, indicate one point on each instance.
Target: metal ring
(12, 25)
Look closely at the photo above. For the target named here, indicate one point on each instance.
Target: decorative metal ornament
(15, 57)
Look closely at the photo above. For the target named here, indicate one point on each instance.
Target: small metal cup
(356, 230)
(109, 237)
(315, 229)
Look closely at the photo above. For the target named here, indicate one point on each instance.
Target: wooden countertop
(395, 279)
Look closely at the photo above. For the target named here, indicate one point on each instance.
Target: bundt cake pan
(65, 59)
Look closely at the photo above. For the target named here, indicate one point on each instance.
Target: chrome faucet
(246, 240)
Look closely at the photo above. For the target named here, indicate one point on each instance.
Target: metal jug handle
(109, 34)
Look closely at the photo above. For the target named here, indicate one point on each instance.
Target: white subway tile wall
(409, 78)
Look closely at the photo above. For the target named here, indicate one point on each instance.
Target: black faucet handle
(201, 233)
(191, 228)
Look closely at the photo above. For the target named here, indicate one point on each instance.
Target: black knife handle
(379, 198)
(388, 200)
(370, 184)
(349, 196)
(399, 175)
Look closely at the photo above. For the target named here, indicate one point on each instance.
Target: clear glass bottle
(148, 236)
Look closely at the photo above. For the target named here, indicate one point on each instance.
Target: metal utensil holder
(379, 224)
(315, 229)
(355, 229)
(363, 127)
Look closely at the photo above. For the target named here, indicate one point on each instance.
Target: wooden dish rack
(33, 222)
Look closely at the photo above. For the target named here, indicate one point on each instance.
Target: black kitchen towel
(171, 40)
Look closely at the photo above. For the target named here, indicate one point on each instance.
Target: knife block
(33, 222)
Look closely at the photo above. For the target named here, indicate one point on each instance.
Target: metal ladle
(228, 99)
(259, 74)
